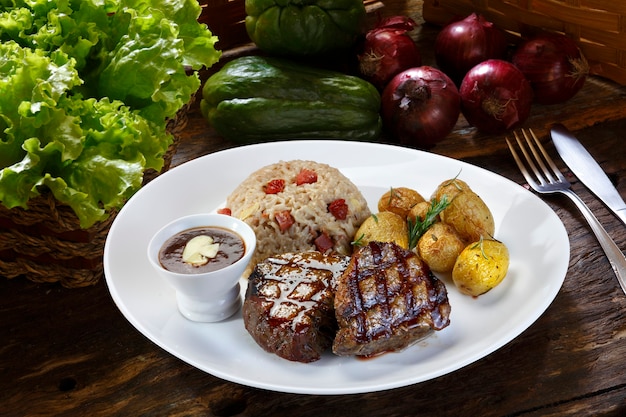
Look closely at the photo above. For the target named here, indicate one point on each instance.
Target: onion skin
(495, 96)
(420, 106)
(465, 43)
(388, 50)
(554, 65)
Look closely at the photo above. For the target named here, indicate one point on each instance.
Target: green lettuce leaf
(86, 89)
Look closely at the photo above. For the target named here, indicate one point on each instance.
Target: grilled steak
(386, 300)
(288, 307)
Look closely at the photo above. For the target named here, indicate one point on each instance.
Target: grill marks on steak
(289, 304)
(386, 300)
(382, 299)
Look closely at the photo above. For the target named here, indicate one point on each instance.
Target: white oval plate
(536, 238)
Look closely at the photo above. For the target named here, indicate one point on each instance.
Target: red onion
(388, 50)
(554, 65)
(465, 43)
(495, 96)
(420, 106)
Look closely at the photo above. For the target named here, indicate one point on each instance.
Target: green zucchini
(254, 99)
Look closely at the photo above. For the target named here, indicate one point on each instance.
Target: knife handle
(613, 252)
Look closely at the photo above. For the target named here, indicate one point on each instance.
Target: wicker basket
(45, 242)
(598, 26)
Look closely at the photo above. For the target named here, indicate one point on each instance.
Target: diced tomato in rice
(274, 186)
(306, 176)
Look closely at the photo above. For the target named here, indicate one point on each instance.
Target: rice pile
(307, 204)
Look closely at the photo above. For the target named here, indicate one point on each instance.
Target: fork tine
(529, 160)
(555, 170)
(536, 159)
(519, 162)
(533, 145)
(538, 180)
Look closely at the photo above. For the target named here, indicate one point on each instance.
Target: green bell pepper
(304, 27)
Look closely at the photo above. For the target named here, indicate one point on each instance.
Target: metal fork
(547, 181)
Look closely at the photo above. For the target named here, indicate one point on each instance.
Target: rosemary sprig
(418, 227)
(453, 182)
(479, 245)
(392, 194)
(359, 240)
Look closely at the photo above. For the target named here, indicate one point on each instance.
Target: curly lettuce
(86, 88)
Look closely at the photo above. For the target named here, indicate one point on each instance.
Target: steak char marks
(288, 307)
(386, 300)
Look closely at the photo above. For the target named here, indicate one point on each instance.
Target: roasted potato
(450, 188)
(419, 211)
(385, 226)
(399, 200)
(480, 267)
(440, 246)
(470, 216)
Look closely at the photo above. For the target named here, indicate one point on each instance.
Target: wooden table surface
(71, 352)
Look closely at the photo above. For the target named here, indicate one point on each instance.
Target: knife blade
(588, 171)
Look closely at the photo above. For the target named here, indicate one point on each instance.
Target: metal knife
(588, 171)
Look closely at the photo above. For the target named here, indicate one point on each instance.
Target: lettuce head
(86, 88)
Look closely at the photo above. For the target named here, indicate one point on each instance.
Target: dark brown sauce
(231, 249)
